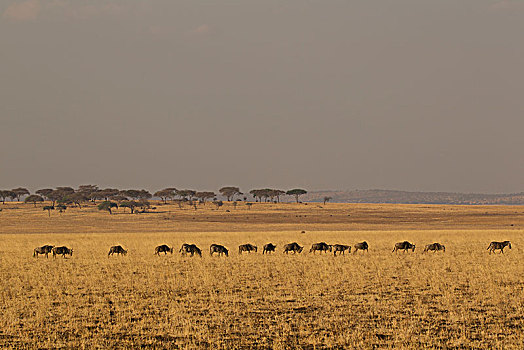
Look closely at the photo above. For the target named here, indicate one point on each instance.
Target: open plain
(463, 298)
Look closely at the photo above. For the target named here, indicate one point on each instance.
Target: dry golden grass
(461, 299)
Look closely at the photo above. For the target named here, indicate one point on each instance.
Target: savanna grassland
(464, 298)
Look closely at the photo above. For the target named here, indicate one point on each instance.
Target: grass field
(464, 298)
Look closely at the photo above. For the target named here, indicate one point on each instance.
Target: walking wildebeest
(498, 245)
(341, 249)
(362, 246)
(404, 245)
(163, 249)
(434, 247)
(322, 247)
(191, 249)
(247, 248)
(44, 250)
(117, 249)
(293, 247)
(62, 251)
(269, 248)
(217, 248)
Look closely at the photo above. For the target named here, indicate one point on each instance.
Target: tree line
(60, 197)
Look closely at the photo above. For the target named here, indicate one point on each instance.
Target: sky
(411, 95)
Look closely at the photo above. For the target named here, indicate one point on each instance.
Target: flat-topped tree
(55, 195)
(327, 199)
(257, 194)
(107, 206)
(105, 194)
(77, 198)
(165, 194)
(4, 194)
(65, 190)
(44, 192)
(19, 192)
(187, 194)
(230, 192)
(203, 196)
(130, 204)
(34, 198)
(297, 192)
(143, 194)
(87, 191)
(279, 193)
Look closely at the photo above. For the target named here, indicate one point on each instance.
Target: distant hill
(404, 197)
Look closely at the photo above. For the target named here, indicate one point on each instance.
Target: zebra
(116, 249)
(217, 248)
(362, 246)
(44, 250)
(246, 247)
(341, 249)
(163, 249)
(434, 247)
(405, 246)
(293, 247)
(322, 247)
(62, 251)
(498, 245)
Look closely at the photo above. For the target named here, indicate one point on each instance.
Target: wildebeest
(163, 249)
(44, 250)
(341, 249)
(434, 247)
(322, 247)
(498, 245)
(62, 251)
(117, 249)
(404, 245)
(269, 248)
(293, 247)
(247, 248)
(191, 249)
(361, 246)
(217, 248)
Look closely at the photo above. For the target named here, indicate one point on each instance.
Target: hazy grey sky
(413, 95)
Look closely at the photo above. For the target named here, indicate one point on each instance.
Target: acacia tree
(44, 192)
(165, 194)
(203, 196)
(130, 204)
(19, 192)
(229, 192)
(4, 194)
(107, 206)
(257, 194)
(297, 192)
(88, 191)
(187, 194)
(327, 199)
(33, 199)
(55, 195)
(277, 194)
(105, 194)
(77, 198)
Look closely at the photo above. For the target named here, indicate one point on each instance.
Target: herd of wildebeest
(294, 247)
